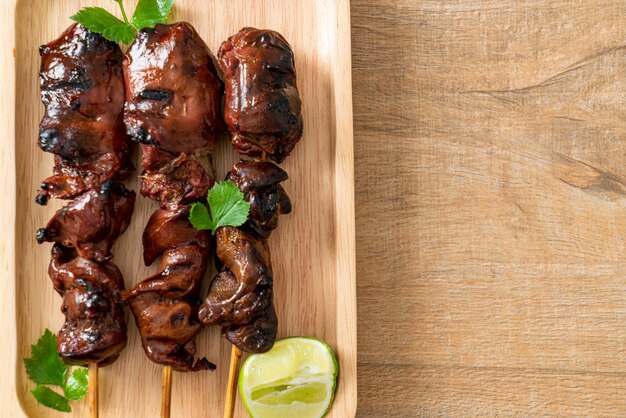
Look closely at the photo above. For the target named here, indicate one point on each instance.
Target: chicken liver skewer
(82, 89)
(262, 110)
(173, 100)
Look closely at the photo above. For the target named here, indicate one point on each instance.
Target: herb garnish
(147, 14)
(45, 367)
(227, 207)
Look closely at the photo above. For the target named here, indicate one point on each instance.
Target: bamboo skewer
(93, 389)
(231, 389)
(166, 395)
(233, 370)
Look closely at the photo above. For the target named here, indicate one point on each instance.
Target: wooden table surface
(490, 141)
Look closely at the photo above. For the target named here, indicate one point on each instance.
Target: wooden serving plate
(312, 250)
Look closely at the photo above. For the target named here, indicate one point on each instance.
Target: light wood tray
(312, 250)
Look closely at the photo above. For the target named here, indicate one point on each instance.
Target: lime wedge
(296, 378)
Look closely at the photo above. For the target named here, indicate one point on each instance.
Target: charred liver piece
(74, 177)
(165, 307)
(94, 329)
(173, 108)
(173, 181)
(240, 296)
(259, 181)
(262, 112)
(262, 107)
(92, 222)
(82, 88)
(170, 228)
(257, 336)
(173, 91)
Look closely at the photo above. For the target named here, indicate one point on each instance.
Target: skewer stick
(93, 389)
(166, 396)
(231, 390)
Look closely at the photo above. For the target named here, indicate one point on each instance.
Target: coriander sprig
(227, 207)
(148, 14)
(44, 367)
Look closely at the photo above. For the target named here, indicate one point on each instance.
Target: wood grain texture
(490, 140)
(312, 251)
(8, 329)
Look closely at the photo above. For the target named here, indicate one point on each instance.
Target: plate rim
(344, 208)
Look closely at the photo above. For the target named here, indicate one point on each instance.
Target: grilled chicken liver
(173, 91)
(173, 108)
(260, 181)
(262, 107)
(82, 88)
(94, 329)
(92, 222)
(240, 296)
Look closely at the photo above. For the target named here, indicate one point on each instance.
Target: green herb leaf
(199, 216)
(44, 366)
(121, 4)
(165, 7)
(98, 20)
(147, 14)
(150, 12)
(77, 384)
(227, 207)
(51, 399)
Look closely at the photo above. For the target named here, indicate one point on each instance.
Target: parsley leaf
(77, 383)
(150, 12)
(227, 207)
(45, 366)
(51, 399)
(98, 20)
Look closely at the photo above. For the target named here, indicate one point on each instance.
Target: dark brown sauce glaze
(263, 114)
(165, 307)
(173, 91)
(92, 222)
(240, 296)
(173, 108)
(82, 88)
(173, 180)
(257, 336)
(94, 328)
(259, 181)
(262, 107)
(168, 228)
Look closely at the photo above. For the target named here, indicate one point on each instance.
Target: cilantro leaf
(150, 12)
(227, 207)
(98, 20)
(165, 7)
(147, 14)
(51, 399)
(199, 216)
(77, 384)
(45, 366)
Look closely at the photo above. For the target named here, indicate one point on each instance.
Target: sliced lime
(296, 378)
